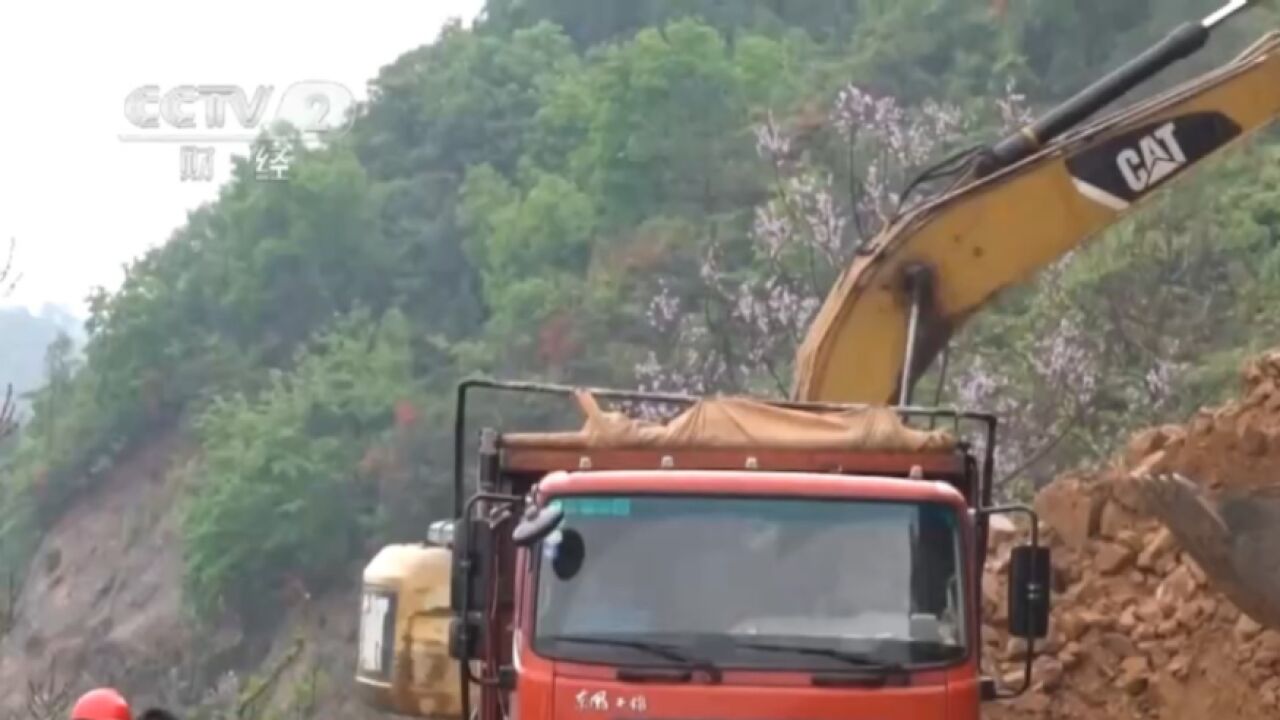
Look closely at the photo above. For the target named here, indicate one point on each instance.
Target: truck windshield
(752, 582)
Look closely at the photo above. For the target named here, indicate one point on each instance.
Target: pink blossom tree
(740, 330)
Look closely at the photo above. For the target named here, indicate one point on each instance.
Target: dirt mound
(1139, 629)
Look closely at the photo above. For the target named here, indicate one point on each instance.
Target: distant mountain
(24, 337)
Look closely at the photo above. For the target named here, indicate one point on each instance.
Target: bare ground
(103, 595)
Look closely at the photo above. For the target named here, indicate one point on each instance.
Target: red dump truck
(741, 560)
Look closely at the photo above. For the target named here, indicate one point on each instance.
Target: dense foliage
(284, 466)
(652, 192)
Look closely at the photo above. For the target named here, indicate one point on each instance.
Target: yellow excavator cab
(403, 665)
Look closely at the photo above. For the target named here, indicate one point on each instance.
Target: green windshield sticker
(597, 507)
(767, 510)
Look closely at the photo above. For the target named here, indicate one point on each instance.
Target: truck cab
(745, 560)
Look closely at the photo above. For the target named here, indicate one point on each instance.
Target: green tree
(594, 23)
(278, 494)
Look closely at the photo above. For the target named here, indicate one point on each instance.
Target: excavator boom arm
(936, 266)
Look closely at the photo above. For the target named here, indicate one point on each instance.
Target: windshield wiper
(662, 650)
(856, 659)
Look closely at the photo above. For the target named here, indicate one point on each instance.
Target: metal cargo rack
(955, 418)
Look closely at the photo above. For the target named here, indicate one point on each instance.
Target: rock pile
(1138, 629)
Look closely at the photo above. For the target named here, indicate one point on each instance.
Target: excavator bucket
(1233, 535)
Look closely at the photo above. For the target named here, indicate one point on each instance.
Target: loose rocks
(1137, 629)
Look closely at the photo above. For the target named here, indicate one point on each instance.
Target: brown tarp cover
(735, 422)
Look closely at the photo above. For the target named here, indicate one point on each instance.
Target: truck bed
(735, 433)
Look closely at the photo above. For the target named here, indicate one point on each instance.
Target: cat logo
(1157, 156)
(1120, 170)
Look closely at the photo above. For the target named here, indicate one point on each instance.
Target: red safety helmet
(101, 704)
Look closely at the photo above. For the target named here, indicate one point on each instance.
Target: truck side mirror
(469, 586)
(1029, 584)
(537, 525)
(471, 565)
(466, 637)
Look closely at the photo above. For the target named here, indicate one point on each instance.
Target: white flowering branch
(743, 331)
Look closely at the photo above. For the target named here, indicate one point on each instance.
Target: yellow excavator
(458, 627)
(1021, 204)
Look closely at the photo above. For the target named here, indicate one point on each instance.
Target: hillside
(653, 193)
(107, 577)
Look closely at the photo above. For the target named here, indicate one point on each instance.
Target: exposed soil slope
(102, 604)
(102, 600)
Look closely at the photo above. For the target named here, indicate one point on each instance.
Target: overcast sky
(79, 201)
